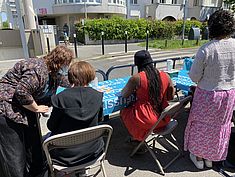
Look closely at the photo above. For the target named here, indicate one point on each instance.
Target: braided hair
(144, 63)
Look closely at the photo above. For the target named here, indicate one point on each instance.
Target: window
(91, 0)
(163, 1)
(174, 1)
(195, 3)
(134, 2)
(98, 1)
(70, 1)
(114, 1)
(110, 1)
(64, 1)
(77, 1)
(118, 1)
(84, 0)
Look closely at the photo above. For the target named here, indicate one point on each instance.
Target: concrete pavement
(114, 55)
(118, 162)
(95, 51)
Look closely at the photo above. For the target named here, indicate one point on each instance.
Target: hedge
(115, 27)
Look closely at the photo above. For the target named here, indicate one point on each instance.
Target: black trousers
(21, 152)
(12, 150)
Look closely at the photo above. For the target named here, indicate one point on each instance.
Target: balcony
(92, 6)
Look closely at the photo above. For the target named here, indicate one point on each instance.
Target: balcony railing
(112, 2)
(78, 1)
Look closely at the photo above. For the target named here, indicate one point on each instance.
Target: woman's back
(142, 92)
(141, 116)
(218, 60)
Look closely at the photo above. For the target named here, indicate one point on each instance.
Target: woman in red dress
(153, 89)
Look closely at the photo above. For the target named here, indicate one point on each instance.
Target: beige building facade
(173, 9)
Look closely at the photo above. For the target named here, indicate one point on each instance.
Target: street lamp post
(184, 20)
(30, 22)
(85, 9)
(22, 32)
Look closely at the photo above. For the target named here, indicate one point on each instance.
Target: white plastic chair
(153, 135)
(75, 138)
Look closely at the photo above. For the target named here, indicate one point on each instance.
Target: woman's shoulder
(94, 92)
(135, 79)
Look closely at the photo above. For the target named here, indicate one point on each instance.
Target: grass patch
(173, 44)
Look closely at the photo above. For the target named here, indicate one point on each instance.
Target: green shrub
(114, 28)
(188, 24)
(163, 29)
(5, 25)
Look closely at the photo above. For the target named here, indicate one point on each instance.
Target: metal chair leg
(103, 169)
(136, 149)
(156, 160)
(176, 147)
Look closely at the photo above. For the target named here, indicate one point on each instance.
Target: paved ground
(118, 162)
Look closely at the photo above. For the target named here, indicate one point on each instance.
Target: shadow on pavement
(119, 150)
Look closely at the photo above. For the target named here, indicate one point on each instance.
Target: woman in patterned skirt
(209, 124)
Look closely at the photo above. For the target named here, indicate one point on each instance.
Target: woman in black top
(73, 109)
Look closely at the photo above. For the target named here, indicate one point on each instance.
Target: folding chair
(188, 62)
(182, 74)
(153, 135)
(76, 138)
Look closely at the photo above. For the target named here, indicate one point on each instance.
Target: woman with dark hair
(209, 124)
(23, 92)
(76, 108)
(153, 89)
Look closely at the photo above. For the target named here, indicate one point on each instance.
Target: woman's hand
(37, 108)
(42, 109)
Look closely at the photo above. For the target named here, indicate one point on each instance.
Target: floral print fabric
(21, 85)
(209, 125)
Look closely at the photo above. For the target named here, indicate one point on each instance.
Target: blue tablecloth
(112, 100)
(183, 82)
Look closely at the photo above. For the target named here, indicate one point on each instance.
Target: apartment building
(173, 9)
(61, 12)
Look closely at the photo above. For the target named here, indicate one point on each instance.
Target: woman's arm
(36, 108)
(197, 69)
(170, 89)
(27, 86)
(131, 86)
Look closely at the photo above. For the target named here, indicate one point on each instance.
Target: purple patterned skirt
(209, 125)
